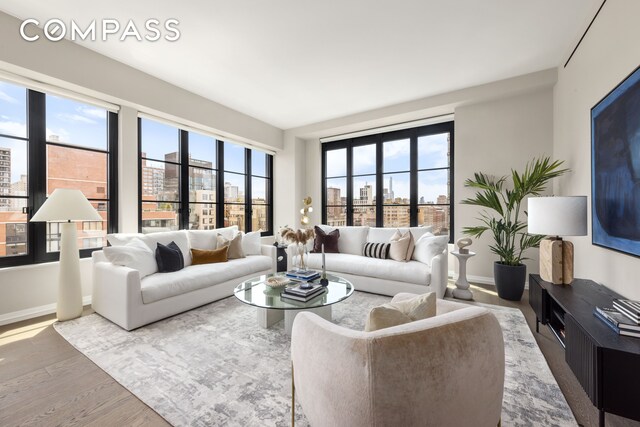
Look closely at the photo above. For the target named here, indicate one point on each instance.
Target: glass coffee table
(272, 308)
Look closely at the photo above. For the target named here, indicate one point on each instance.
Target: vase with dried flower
(300, 238)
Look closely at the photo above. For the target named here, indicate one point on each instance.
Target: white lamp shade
(558, 216)
(66, 205)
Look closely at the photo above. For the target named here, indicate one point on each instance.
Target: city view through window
(161, 178)
(76, 155)
(413, 173)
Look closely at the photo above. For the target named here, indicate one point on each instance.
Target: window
(48, 142)
(189, 180)
(394, 179)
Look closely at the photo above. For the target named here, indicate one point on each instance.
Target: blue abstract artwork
(615, 168)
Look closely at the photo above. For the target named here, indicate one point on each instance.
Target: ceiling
(294, 62)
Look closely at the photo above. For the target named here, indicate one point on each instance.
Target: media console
(606, 365)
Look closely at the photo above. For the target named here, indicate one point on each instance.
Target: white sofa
(120, 295)
(381, 276)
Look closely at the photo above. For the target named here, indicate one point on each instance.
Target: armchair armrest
(271, 252)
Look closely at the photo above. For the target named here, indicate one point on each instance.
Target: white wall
(32, 290)
(608, 53)
(494, 137)
(497, 126)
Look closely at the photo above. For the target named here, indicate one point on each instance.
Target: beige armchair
(447, 370)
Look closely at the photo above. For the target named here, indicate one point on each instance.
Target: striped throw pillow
(377, 250)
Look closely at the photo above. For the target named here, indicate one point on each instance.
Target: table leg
(601, 420)
(537, 325)
(290, 315)
(268, 317)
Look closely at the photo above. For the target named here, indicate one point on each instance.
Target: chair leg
(500, 422)
(293, 399)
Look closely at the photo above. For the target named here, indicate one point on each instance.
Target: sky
(73, 122)
(159, 139)
(432, 153)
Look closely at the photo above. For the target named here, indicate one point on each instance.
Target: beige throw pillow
(235, 246)
(400, 245)
(400, 312)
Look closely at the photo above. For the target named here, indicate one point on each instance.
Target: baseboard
(483, 280)
(30, 313)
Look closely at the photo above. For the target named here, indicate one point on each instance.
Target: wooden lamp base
(556, 261)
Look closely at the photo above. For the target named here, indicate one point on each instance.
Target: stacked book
(303, 275)
(622, 322)
(301, 294)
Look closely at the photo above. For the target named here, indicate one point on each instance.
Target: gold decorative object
(306, 210)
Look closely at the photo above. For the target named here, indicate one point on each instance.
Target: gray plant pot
(509, 280)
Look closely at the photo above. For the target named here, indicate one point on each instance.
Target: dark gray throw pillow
(169, 258)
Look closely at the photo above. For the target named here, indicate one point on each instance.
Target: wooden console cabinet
(606, 365)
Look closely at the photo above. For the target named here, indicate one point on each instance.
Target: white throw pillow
(121, 239)
(135, 254)
(251, 243)
(428, 246)
(179, 237)
(400, 312)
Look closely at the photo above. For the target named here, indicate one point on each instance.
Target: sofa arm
(116, 293)
(272, 252)
(440, 273)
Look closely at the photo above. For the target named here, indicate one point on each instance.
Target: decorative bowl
(275, 282)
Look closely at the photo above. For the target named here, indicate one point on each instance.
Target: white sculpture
(462, 244)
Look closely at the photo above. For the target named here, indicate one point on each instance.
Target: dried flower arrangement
(300, 236)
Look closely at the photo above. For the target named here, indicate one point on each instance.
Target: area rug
(215, 366)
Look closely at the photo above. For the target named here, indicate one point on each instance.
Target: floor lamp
(67, 207)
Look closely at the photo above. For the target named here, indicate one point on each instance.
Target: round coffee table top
(255, 292)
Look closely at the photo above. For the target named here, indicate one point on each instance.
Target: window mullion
(413, 180)
(113, 224)
(37, 170)
(184, 179)
(350, 183)
(248, 199)
(220, 185)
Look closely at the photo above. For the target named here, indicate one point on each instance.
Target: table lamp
(68, 206)
(557, 216)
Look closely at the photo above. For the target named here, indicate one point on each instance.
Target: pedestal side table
(462, 286)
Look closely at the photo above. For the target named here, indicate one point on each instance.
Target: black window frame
(183, 201)
(378, 140)
(37, 181)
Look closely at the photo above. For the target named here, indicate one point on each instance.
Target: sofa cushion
(386, 269)
(235, 246)
(121, 239)
(134, 254)
(397, 313)
(377, 250)
(160, 286)
(329, 239)
(401, 245)
(251, 243)
(169, 258)
(165, 237)
(352, 239)
(207, 239)
(383, 235)
(428, 246)
(209, 257)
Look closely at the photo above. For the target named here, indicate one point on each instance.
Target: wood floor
(44, 381)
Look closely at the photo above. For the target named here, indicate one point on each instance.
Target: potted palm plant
(502, 217)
